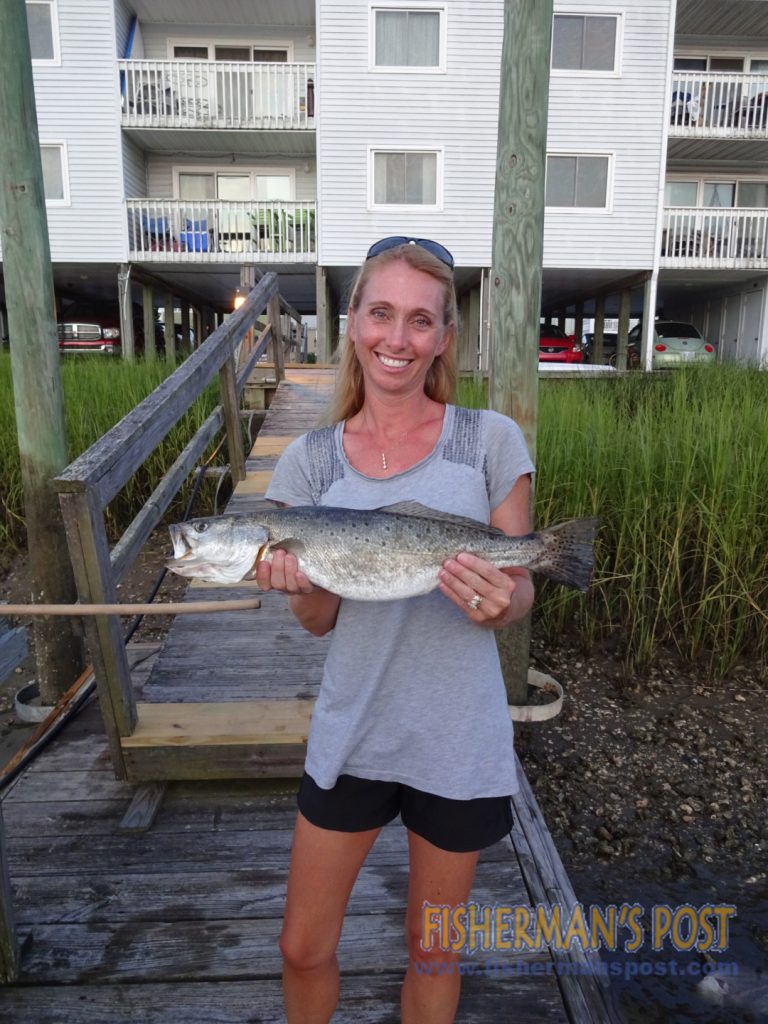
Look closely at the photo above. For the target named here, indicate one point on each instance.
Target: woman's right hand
(314, 607)
(282, 573)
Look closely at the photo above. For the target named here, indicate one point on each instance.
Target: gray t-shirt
(412, 690)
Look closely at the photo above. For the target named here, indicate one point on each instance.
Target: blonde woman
(411, 719)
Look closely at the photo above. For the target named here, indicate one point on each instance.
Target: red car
(555, 346)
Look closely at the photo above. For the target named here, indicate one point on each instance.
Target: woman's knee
(305, 951)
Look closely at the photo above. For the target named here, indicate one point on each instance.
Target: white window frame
(54, 61)
(435, 207)
(702, 179)
(407, 5)
(586, 12)
(66, 200)
(272, 44)
(582, 210)
(250, 170)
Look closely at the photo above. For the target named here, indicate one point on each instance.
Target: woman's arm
(315, 608)
(506, 594)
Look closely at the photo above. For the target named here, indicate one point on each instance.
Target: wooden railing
(711, 105)
(217, 94)
(718, 238)
(203, 231)
(89, 483)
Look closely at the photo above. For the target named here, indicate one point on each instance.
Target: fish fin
(292, 545)
(413, 508)
(568, 555)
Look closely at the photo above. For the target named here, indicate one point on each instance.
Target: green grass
(97, 394)
(676, 467)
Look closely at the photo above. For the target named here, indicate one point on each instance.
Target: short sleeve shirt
(412, 690)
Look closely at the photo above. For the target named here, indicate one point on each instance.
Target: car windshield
(552, 332)
(674, 330)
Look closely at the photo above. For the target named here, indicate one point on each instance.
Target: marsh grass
(676, 467)
(97, 394)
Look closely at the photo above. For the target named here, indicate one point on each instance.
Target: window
(405, 178)
(202, 185)
(235, 52)
(681, 193)
(577, 180)
(55, 184)
(407, 38)
(753, 194)
(585, 43)
(43, 30)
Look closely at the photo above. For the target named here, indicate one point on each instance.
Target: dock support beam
(518, 247)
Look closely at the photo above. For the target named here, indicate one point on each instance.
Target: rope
(172, 608)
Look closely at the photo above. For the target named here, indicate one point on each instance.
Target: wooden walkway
(180, 923)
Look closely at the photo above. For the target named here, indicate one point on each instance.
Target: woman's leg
(324, 866)
(432, 982)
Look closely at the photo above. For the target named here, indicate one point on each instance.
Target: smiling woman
(406, 680)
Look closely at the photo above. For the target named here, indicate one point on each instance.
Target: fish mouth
(181, 547)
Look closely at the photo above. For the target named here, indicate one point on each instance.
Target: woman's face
(398, 327)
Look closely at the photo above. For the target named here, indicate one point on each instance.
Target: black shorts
(356, 805)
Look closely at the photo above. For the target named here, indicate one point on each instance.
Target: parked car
(610, 342)
(94, 327)
(676, 344)
(555, 346)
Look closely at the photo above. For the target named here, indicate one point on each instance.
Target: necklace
(390, 447)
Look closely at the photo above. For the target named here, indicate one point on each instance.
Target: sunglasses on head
(434, 248)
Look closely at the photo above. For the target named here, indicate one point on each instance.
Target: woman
(411, 716)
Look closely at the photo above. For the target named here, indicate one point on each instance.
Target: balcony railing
(729, 238)
(713, 105)
(217, 94)
(186, 231)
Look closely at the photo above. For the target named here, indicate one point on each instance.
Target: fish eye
(200, 527)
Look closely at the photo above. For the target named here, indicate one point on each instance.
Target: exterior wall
(160, 168)
(156, 38)
(134, 170)
(78, 104)
(625, 116)
(456, 110)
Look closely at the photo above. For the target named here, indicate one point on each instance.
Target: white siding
(624, 116)
(78, 103)
(134, 170)
(456, 111)
(156, 47)
(160, 172)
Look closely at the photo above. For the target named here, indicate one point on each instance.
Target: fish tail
(568, 555)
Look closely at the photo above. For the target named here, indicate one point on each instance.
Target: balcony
(728, 239)
(210, 231)
(709, 105)
(217, 94)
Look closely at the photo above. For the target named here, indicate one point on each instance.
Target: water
(671, 987)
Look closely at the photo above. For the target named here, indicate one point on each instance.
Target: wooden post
(169, 328)
(38, 399)
(273, 312)
(465, 360)
(247, 282)
(186, 340)
(148, 304)
(625, 305)
(323, 342)
(598, 342)
(9, 949)
(578, 327)
(125, 303)
(231, 409)
(518, 243)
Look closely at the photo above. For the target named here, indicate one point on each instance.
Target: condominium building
(183, 139)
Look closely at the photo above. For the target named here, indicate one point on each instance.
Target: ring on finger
(474, 602)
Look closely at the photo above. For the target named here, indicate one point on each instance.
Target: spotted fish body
(376, 555)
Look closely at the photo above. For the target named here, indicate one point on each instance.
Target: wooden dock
(180, 923)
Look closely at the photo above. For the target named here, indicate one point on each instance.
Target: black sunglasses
(434, 248)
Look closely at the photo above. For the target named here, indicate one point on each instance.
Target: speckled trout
(378, 555)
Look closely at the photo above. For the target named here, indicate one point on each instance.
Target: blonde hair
(440, 383)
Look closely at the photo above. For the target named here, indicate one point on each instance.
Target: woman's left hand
(484, 593)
